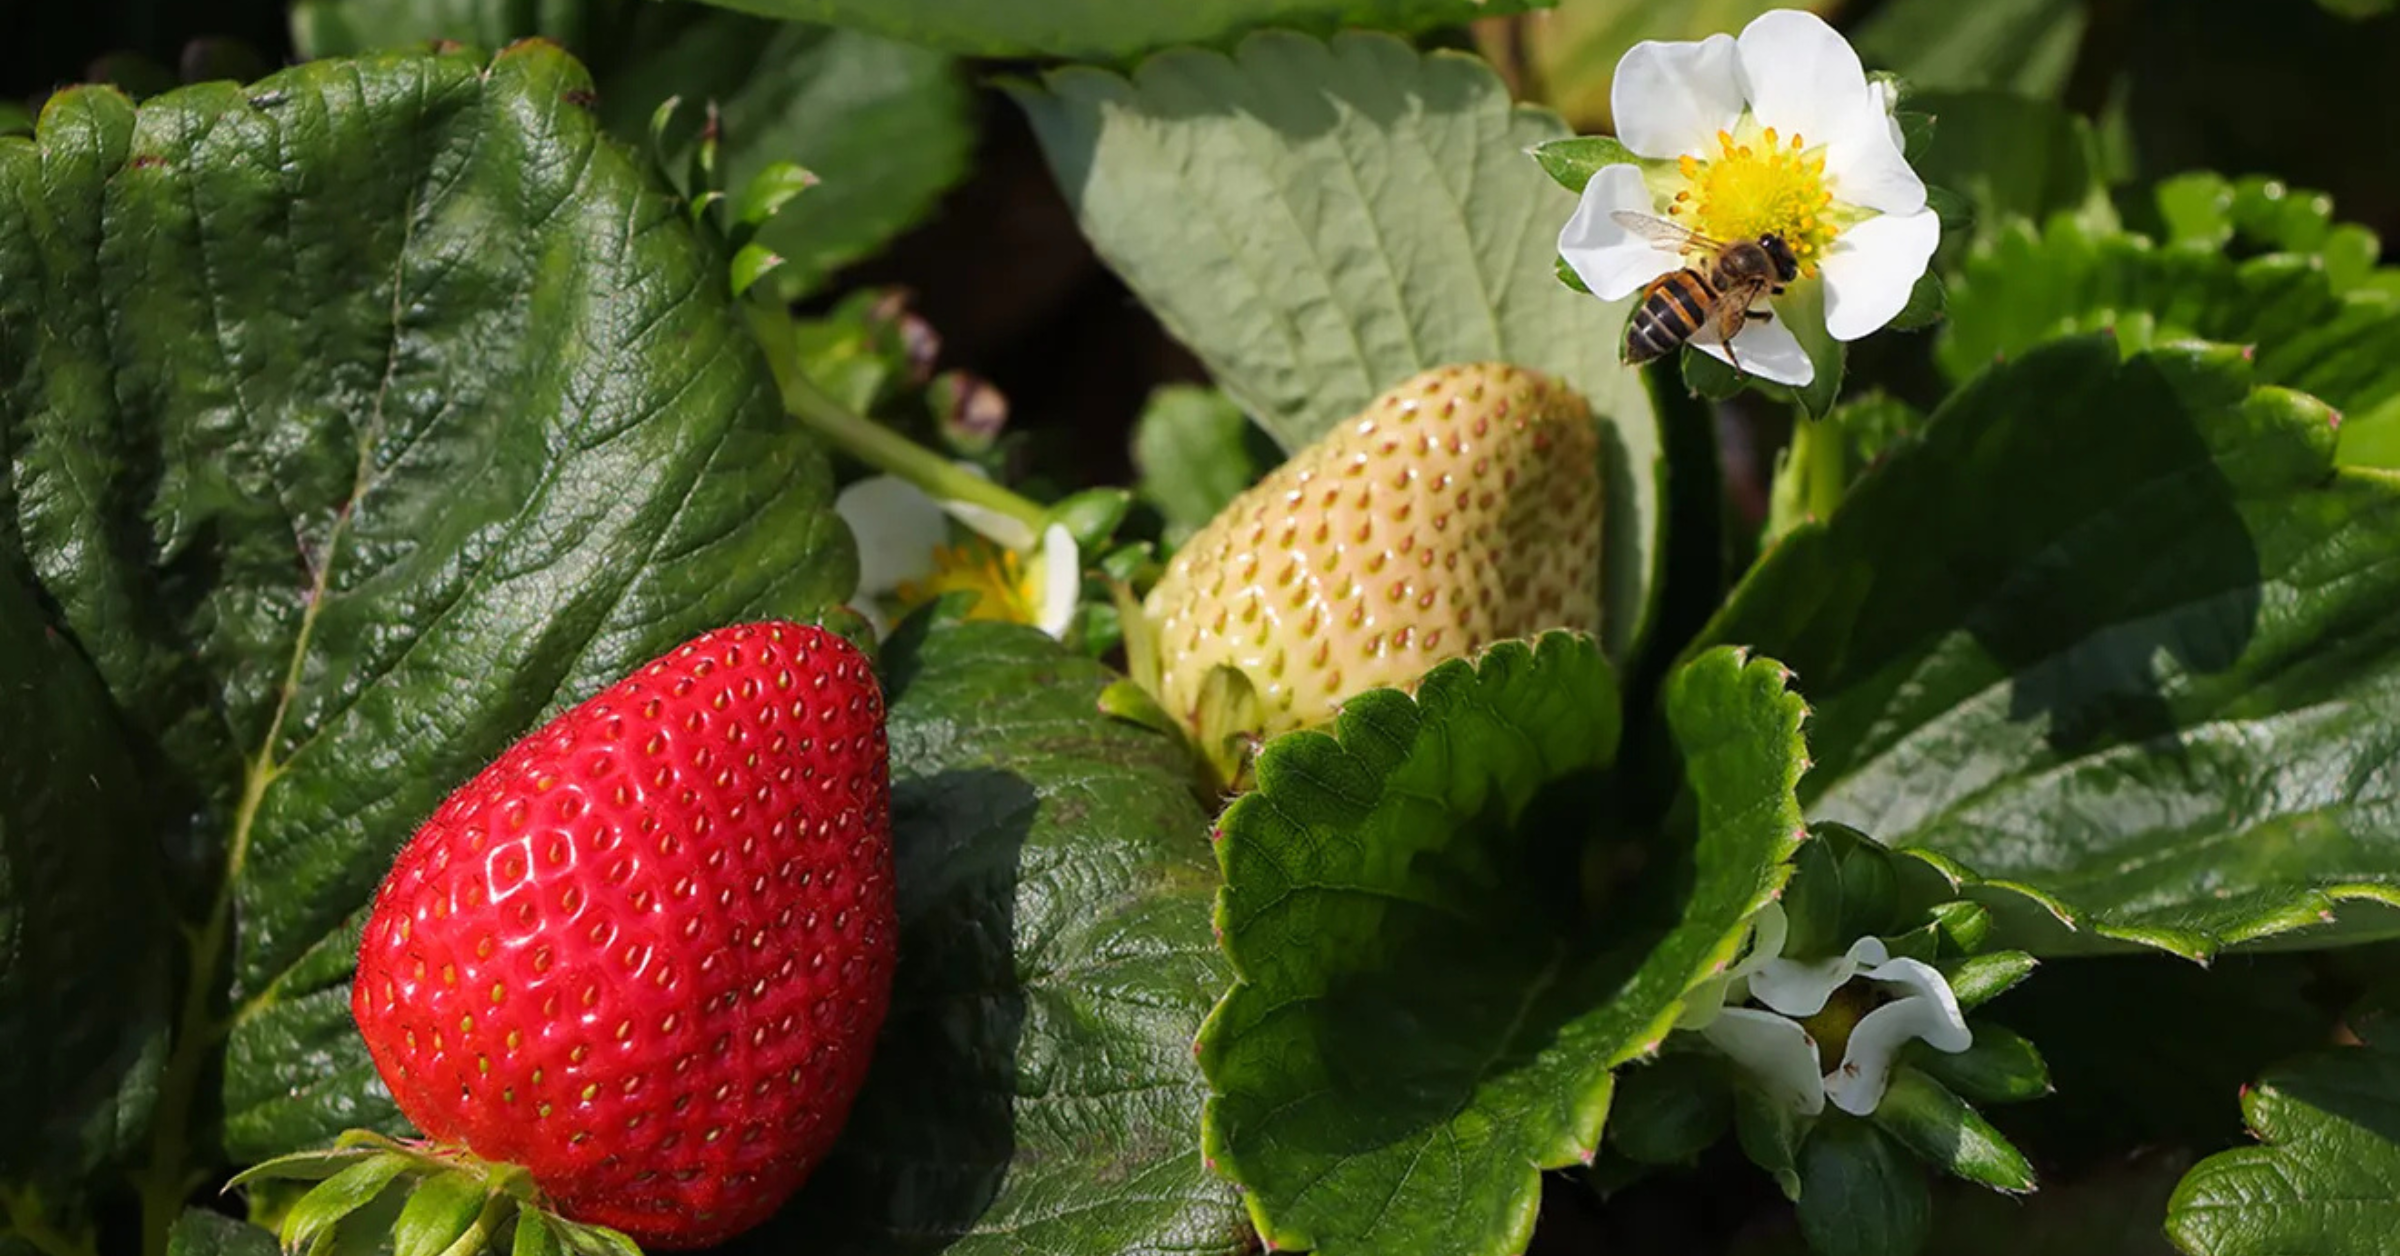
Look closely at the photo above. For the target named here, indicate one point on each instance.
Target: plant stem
(27, 1222)
(1810, 477)
(879, 446)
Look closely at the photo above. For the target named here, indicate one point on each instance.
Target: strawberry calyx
(449, 1201)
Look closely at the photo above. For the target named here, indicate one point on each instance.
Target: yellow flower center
(1005, 586)
(1756, 184)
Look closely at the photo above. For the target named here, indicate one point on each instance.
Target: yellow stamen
(1749, 189)
(1006, 588)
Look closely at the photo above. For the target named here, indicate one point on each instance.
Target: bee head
(1787, 267)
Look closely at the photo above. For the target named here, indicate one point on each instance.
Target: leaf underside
(1429, 1004)
(1319, 221)
(2116, 632)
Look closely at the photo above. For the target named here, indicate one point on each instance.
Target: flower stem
(1810, 477)
(873, 443)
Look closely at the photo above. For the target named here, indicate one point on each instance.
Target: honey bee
(1708, 304)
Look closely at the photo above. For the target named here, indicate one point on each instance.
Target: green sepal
(1567, 276)
(338, 1196)
(301, 1166)
(767, 192)
(1927, 1118)
(1923, 943)
(1670, 1111)
(438, 1214)
(1227, 723)
(751, 263)
(1125, 700)
(1978, 979)
(1574, 161)
(1135, 563)
(1770, 1133)
(1870, 888)
(1812, 900)
(1927, 301)
(1092, 516)
(1964, 924)
(2002, 1066)
(534, 1236)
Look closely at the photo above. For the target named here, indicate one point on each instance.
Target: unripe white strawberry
(1461, 508)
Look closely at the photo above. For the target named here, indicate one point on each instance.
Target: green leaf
(2013, 158)
(884, 126)
(2319, 317)
(1107, 30)
(2054, 639)
(404, 494)
(2023, 46)
(1194, 451)
(1671, 1110)
(199, 1232)
(1428, 1009)
(2325, 1178)
(85, 951)
(1573, 161)
(1320, 221)
(1035, 1092)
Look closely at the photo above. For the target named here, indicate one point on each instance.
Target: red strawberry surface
(645, 954)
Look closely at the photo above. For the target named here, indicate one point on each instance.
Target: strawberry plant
(1064, 628)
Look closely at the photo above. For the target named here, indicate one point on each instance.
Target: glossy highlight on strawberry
(645, 955)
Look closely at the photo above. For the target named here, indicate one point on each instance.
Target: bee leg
(1760, 316)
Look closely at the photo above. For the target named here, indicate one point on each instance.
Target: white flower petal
(1769, 351)
(1062, 580)
(1880, 92)
(897, 525)
(1776, 1052)
(1802, 77)
(1769, 929)
(1670, 99)
(1872, 268)
(997, 526)
(1929, 1011)
(1613, 262)
(1865, 167)
(1800, 988)
(1924, 981)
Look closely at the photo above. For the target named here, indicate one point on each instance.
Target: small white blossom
(1772, 1044)
(905, 557)
(1777, 131)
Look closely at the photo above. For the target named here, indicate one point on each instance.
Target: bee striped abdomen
(1675, 307)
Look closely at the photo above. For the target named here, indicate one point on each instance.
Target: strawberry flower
(1776, 131)
(907, 557)
(1903, 1000)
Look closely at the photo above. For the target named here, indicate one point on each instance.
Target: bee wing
(1731, 311)
(1660, 231)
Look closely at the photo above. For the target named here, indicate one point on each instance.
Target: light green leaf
(1195, 451)
(1567, 56)
(1429, 1006)
(2059, 638)
(1035, 1093)
(1320, 221)
(2319, 317)
(884, 126)
(1108, 30)
(339, 495)
(2325, 1179)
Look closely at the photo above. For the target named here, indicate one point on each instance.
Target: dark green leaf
(1106, 30)
(1923, 1116)
(1428, 1007)
(1671, 1110)
(405, 492)
(1320, 221)
(2054, 638)
(1860, 1194)
(884, 127)
(2325, 1179)
(1770, 1134)
(199, 1232)
(1943, 46)
(85, 947)
(2316, 314)
(1194, 451)
(1035, 1093)
(2012, 159)
(2001, 1067)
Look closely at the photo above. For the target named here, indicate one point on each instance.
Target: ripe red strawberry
(644, 955)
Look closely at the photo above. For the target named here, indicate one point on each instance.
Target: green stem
(873, 443)
(1810, 477)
